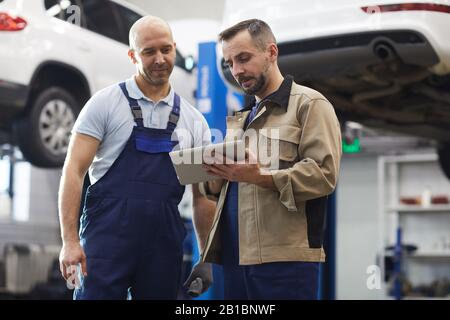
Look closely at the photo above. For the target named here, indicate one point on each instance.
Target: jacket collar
(279, 98)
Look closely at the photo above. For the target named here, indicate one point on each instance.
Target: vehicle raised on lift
(385, 63)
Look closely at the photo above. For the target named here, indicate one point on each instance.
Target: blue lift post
(211, 91)
(398, 252)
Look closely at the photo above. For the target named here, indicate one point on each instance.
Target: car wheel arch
(51, 72)
(55, 79)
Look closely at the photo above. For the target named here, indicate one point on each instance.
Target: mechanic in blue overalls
(130, 240)
(269, 225)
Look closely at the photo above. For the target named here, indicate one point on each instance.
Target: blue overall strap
(135, 108)
(174, 114)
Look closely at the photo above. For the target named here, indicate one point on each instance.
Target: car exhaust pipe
(384, 51)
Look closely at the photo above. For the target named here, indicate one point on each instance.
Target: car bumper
(353, 53)
(344, 54)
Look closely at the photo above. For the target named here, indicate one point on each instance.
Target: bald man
(129, 243)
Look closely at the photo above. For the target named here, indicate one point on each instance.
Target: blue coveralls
(131, 230)
(275, 280)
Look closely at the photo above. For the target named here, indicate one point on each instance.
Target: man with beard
(131, 235)
(269, 223)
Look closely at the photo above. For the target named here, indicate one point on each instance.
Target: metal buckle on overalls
(137, 113)
(173, 118)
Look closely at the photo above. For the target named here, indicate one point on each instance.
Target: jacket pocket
(278, 147)
(278, 226)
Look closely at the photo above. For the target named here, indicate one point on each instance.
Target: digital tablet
(188, 162)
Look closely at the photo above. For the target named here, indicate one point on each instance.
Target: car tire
(444, 158)
(43, 132)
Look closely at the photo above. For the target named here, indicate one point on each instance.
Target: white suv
(54, 54)
(384, 63)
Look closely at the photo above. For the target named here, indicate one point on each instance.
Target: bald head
(145, 26)
(153, 51)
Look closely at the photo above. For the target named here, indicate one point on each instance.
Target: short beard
(260, 83)
(152, 81)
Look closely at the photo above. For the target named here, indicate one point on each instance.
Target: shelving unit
(419, 209)
(430, 255)
(426, 227)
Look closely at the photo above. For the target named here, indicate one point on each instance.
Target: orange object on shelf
(411, 200)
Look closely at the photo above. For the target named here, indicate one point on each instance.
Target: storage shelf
(404, 178)
(430, 255)
(419, 209)
(426, 298)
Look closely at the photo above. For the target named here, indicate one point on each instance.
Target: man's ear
(131, 54)
(273, 52)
